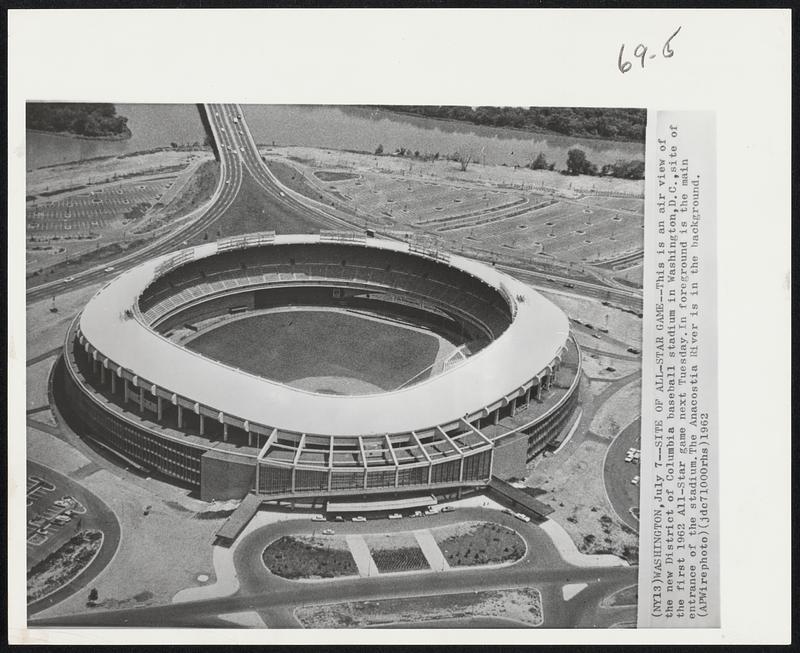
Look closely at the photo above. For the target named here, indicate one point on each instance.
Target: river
(335, 127)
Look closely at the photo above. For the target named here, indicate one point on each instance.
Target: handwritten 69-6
(640, 52)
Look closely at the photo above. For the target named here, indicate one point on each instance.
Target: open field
(309, 348)
(478, 543)
(522, 605)
(575, 489)
(301, 556)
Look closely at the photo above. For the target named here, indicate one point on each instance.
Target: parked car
(430, 511)
(338, 518)
(395, 515)
(417, 513)
(318, 518)
(635, 480)
(448, 508)
(508, 511)
(328, 531)
(522, 517)
(360, 518)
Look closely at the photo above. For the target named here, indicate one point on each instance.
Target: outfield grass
(291, 346)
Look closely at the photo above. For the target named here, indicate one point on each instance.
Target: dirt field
(620, 410)
(576, 490)
(523, 605)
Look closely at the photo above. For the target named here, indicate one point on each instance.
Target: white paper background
(734, 62)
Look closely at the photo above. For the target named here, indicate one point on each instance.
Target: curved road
(542, 568)
(239, 156)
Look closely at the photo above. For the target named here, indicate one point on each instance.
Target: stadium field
(326, 351)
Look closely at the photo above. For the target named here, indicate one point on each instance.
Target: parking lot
(96, 209)
(53, 517)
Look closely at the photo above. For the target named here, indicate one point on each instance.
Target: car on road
(430, 511)
(68, 279)
(360, 518)
(110, 268)
(318, 518)
(569, 285)
(633, 350)
(448, 508)
(550, 279)
(395, 515)
(596, 335)
(522, 517)
(328, 531)
(282, 194)
(227, 181)
(242, 149)
(508, 511)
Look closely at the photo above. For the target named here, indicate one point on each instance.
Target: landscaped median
(468, 544)
(63, 565)
(465, 544)
(396, 552)
(307, 557)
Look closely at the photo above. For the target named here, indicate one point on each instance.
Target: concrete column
(126, 391)
(249, 438)
(141, 399)
(225, 431)
(496, 416)
(180, 416)
(102, 374)
(160, 405)
(539, 391)
(113, 383)
(513, 407)
(461, 470)
(430, 473)
(202, 424)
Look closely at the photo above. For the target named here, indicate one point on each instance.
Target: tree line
(82, 119)
(610, 124)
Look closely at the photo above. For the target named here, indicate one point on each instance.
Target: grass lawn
(63, 565)
(293, 345)
(478, 543)
(305, 557)
(254, 210)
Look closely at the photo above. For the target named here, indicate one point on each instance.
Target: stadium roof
(536, 335)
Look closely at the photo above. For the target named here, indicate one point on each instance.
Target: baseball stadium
(324, 365)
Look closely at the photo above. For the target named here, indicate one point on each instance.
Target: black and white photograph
(320, 326)
(287, 359)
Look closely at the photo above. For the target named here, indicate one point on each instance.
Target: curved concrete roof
(535, 337)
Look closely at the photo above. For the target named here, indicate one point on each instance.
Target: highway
(239, 156)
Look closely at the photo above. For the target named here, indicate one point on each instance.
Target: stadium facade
(135, 390)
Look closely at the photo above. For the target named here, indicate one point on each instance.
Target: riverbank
(516, 130)
(124, 136)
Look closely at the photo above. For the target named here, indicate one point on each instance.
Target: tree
(464, 156)
(578, 164)
(539, 163)
(379, 149)
(93, 594)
